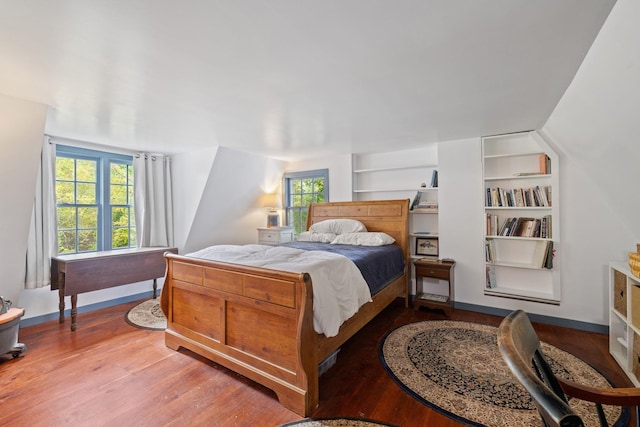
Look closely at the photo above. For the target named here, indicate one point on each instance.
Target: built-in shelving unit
(624, 319)
(521, 215)
(401, 175)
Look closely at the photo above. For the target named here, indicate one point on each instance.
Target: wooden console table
(78, 273)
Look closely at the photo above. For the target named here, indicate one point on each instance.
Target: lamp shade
(271, 200)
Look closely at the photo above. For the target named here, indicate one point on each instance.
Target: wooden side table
(435, 269)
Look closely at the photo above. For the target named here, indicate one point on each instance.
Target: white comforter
(339, 289)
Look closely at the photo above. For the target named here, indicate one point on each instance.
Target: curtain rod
(88, 144)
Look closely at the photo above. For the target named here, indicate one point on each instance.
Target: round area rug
(456, 368)
(336, 422)
(147, 315)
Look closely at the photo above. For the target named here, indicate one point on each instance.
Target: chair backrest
(520, 349)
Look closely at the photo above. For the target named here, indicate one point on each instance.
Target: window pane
(86, 193)
(66, 241)
(296, 186)
(119, 217)
(86, 170)
(65, 169)
(87, 240)
(88, 217)
(318, 185)
(65, 192)
(320, 198)
(307, 185)
(118, 194)
(297, 200)
(133, 240)
(66, 217)
(118, 173)
(120, 238)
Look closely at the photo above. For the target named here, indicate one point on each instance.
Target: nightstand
(435, 269)
(275, 235)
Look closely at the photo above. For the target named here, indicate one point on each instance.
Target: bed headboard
(388, 216)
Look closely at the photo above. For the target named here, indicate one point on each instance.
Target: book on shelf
(538, 196)
(422, 232)
(527, 173)
(415, 201)
(545, 164)
(434, 178)
(433, 297)
(491, 277)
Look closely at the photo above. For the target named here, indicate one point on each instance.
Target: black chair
(520, 348)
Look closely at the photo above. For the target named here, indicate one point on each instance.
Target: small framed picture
(427, 246)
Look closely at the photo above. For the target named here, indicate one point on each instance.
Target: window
(94, 200)
(301, 189)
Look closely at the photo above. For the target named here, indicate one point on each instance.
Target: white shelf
(511, 162)
(519, 238)
(516, 208)
(544, 297)
(517, 265)
(516, 177)
(394, 168)
(624, 319)
(418, 211)
(399, 175)
(383, 190)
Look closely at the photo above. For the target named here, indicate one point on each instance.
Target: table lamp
(272, 201)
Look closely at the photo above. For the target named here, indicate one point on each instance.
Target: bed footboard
(251, 320)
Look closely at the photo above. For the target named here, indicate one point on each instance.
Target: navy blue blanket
(379, 265)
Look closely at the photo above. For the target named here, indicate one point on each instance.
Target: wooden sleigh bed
(258, 322)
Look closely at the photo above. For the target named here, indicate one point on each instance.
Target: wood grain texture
(258, 322)
(110, 373)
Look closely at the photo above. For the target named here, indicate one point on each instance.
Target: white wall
(339, 174)
(21, 136)
(229, 209)
(190, 173)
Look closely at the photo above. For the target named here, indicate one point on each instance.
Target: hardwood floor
(108, 373)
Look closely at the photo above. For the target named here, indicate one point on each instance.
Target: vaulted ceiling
(293, 78)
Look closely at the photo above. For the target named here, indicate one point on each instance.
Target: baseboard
(86, 308)
(549, 320)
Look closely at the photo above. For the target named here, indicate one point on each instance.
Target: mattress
(379, 265)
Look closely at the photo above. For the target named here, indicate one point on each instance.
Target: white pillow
(338, 226)
(363, 239)
(310, 236)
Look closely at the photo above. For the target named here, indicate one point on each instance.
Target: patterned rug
(336, 422)
(456, 368)
(147, 315)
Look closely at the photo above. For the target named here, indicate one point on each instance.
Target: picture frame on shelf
(427, 246)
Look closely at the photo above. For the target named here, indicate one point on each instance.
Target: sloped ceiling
(293, 78)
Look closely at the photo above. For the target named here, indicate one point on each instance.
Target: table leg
(155, 288)
(74, 311)
(61, 296)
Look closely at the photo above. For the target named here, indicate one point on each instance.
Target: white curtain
(152, 200)
(43, 239)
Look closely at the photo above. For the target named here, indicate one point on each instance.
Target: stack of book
(519, 226)
(519, 197)
(423, 205)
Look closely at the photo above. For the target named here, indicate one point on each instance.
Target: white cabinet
(624, 319)
(275, 235)
(521, 216)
